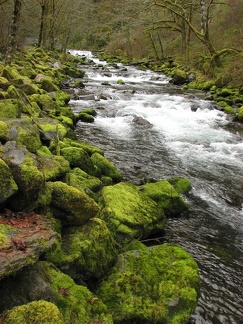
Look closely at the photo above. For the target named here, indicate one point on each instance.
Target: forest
(202, 34)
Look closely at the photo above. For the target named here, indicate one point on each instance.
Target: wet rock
(140, 121)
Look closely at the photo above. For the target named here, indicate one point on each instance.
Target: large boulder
(129, 213)
(165, 195)
(71, 205)
(85, 252)
(24, 167)
(154, 285)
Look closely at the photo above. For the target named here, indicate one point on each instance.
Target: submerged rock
(156, 285)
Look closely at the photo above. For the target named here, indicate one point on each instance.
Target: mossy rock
(90, 149)
(83, 181)
(38, 312)
(157, 285)
(5, 230)
(106, 167)
(64, 120)
(53, 167)
(179, 77)
(51, 130)
(78, 157)
(4, 83)
(24, 168)
(62, 98)
(164, 194)
(90, 250)
(24, 132)
(240, 114)
(10, 108)
(86, 118)
(44, 101)
(120, 81)
(4, 131)
(76, 303)
(181, 185)
(70, 205)
(129, 213)
(226, 107)
(8, 187)
(10, 73)
(29, 89)
(48, 85)
(74, 72)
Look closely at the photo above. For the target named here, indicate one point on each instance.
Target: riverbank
(68, 219)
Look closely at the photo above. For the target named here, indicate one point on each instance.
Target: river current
(152, 129)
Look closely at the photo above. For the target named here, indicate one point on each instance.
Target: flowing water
(152, 129)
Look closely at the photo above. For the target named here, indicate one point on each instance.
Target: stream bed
(152, 129)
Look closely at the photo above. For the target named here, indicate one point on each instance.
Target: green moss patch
(106, 167)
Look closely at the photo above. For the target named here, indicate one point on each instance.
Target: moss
(30, 139)
(10, 108)
(90, 149)
(227, 108)
(44, 151)
(106, 167)
(120, 81)
(8, 187)
(166, 197)
(71, 205)
(38, 312)
(29, 88)
(48, 85)
(10, 73)
(181, 185)
(44, 101)
(157, 285)
(84, 117)
(51, 129)
(179, 77)
(129, 213)
(76, 303)
(4, 131)
(78, 157)
(107, 181)
(62, 98)
(52, 166)
(32, 109)
(81, 180)
(4, 231)
(91, 249)
(64, 120)
(240, 114)
(4, 83)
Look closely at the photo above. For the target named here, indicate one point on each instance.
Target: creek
(152, 129)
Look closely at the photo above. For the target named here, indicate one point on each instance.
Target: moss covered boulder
(181, 185)
(53, 167)
(10, 108)
(86, 252)
(106, 167)
(179, 77)
(156, 285)
(78, 157)
(165, 195)
(81, 180)
(24, 167)
(129, 213)
(8, 187)
(24, 132)
(70, 205)
(38, 312)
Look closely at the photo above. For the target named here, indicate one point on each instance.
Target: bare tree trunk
(13, 31)
(43, 16)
